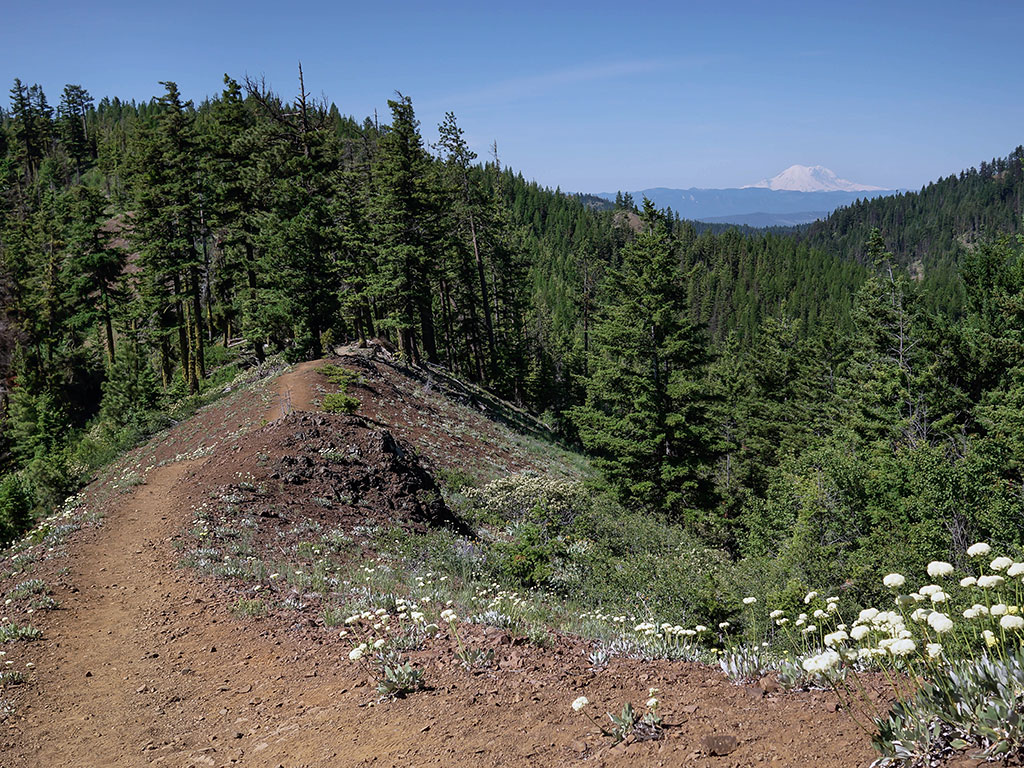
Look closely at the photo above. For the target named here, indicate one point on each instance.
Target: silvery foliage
(972, 704)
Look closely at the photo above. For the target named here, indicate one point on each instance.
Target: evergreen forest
(833, 402)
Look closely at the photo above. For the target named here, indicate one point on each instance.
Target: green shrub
(35, 424)
(52, 478)
(526, 560)
(15, 508)
(130, 393)
(342, 377)
(338, 402)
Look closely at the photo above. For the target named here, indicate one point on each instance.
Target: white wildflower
(978, 550)
(1011, 622)
(821, 663)
(920, 614)
(1001, 563)
(989, 581)
(835, 638)
(938, 568)
(903, 647)
(859, 632)
(940, 622)
(580, 703)
(867, 614)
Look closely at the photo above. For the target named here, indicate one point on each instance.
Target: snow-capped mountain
(798, 195)
(810, 178)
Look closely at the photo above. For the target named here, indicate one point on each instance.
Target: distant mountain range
(813, 178)
(799, 195)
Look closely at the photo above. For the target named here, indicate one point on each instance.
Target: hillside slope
(147, 662)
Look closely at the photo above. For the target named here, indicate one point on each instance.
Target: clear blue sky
(589, 96)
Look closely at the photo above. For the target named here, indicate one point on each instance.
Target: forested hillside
(929, 230)
(797, 400)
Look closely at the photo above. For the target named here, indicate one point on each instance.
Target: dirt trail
(295, 390)
(146, 665)
(138, 671)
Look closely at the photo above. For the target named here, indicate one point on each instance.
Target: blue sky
(589, 96)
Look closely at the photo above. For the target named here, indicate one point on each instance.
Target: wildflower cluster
(672, 641)
(643, 727)
(516, 496)
(655, 640)
(379, 639)
(470, 657)
(962, 631)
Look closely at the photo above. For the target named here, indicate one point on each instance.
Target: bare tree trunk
(179, 318)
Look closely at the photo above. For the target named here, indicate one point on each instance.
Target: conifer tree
(73, 128)
(93, 268)
(167, 227)
(466, 215)
(299, 235)
(645, 416)
(404, 219)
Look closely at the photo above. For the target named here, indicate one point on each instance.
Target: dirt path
(295, 390)
(145, 664)
(142, 666)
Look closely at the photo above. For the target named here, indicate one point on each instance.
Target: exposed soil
(145, 663)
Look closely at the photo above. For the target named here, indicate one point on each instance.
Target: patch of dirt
(145, 663)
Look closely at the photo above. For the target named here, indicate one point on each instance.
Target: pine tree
(299, 235)
(645, 417)
(73, 128)
(881, 390)
(404, 217)
(466, 215)
(93, 268)
(167, 229)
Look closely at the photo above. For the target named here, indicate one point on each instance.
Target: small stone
(719, 744)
